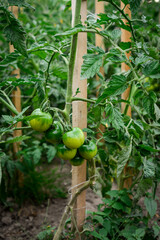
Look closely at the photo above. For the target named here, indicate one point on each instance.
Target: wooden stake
(126, 37)
(99, 8)
(79, 117)
(17, 93)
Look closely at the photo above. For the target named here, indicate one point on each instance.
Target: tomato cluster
(71, 145)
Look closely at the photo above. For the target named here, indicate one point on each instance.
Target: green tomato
(54, 135)
(74, 138)
(42, 121)
(76, 161)
(88, 150)
(65, 153)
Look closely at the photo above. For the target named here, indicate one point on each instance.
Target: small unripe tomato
(54, 134)
(42, 122)
(65, 153)
(74, 138)
(88, 150)
(76, 161)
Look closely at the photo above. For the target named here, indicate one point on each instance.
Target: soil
(26, 222)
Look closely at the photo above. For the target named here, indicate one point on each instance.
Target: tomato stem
(11, 108)
(71, 64)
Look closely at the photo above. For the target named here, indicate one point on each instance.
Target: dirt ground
(25, 223)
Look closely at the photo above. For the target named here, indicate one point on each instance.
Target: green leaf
(148, 148)
(19, 3)
(16, 139)
(15, 33)
(107, 225)
(143, 187)
(95, 234)
(118, 206)
(125, 45)
(152, 67)
(103, 232)
(37, 155)
(123, 158)
(114, 55)
(134, 5)
(149, 169)
(114, 116)
(139, 234)
(51, 153)
(91, 65)
(116, 86)
(157, 112)
(151, 206)
(148, 104)
(99, 219)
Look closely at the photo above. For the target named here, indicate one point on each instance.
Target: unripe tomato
(77, 161)
(54, 135)
(41, 123)
(74, 138)
(65, 153)
(88, 150)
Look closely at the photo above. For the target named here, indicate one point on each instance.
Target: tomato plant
(48, 70)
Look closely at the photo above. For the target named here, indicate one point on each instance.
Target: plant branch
(47, 71)
(58, 233)
(125, 16)
(11, 108)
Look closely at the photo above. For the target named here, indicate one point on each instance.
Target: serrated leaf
(8, 118)
(15, 33)
(123, 158)
(37, 155)
(151, 206)
(148, 105)
(152, 67)
(157, 112)
(116, 86)
(114, 117)
(134, 5)
(149, 169)
(99, 219)
(148, 148)
(51, 153)
(19, 3)
(91, 65)
(114, 55)
(16, 139)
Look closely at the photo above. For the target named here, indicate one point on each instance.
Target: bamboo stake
(79, 117)
(17, 93)
(126, 37)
